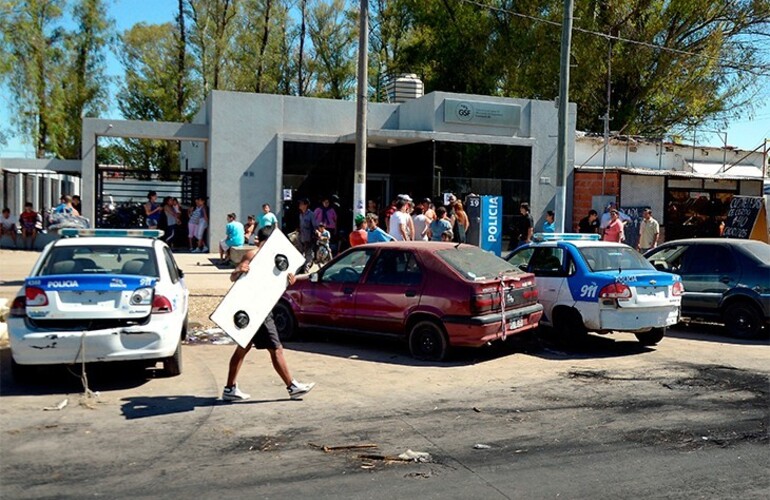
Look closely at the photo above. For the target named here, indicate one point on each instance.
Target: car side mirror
(180, 272)
(523, 267)
(314, 278)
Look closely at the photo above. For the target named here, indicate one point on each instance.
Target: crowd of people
(31, 222)
(405, 220)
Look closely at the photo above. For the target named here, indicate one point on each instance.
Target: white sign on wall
(482, 113)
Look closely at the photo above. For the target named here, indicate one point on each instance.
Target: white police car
(101, 295)
(589, 285)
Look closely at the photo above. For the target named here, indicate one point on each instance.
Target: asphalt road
(688, 418)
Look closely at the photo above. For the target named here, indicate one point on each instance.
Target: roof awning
(717, 170)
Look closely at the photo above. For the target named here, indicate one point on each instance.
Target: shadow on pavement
(394, 351)
(153, 406)
(710, 332)
(60, 379)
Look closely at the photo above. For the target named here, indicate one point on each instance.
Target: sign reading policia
(747, 219)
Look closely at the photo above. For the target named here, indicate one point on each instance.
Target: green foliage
(700, 59)
(55, 75)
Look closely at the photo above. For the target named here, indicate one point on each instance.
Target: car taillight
(530, 294)
(484, 302)
(19, 307)
(677, 289)
(36, 297)
(615, 291)
(161, 304)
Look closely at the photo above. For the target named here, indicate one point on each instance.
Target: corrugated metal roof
(728, 175)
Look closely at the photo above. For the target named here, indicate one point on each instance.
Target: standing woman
(172, 220)
(463, 222)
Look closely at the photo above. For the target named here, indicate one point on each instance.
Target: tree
(55, 76)
(332, 30)
(150, 56)
(33, 45)
(210, 36)
(86, 84)
(672, 62)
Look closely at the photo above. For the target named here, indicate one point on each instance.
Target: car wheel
(173, 366)
(569, 327)
(742, 320)
(652, 337)
(427, 341)
(283, 317)
(23, 373)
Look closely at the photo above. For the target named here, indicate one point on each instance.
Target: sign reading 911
(491, 237)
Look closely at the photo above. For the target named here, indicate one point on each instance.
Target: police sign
(491, 237)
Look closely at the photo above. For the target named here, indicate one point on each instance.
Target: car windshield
(474, 263)
(614, 259)
(138, 261)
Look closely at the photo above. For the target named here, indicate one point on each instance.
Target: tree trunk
(263, 47)
(180, 65)
(300, 83)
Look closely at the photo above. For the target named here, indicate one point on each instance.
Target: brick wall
(586, 186)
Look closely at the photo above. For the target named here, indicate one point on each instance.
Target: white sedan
(101, 295)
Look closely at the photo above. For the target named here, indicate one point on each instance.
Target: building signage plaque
(482, 113)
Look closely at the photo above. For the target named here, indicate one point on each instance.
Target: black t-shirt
(585, 226)
(526, 223)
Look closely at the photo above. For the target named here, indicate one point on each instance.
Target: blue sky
(744, 133)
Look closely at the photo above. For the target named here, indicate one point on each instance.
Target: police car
(589, 285)
(101, 295)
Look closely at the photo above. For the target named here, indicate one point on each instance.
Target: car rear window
(139, 261)
(474, 263)
(759, 250)
(614, 258)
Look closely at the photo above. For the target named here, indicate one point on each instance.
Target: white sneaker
(297, 390)
(195, 250)
(205, 249)
(234, 394)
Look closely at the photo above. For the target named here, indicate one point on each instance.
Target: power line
(611, 37)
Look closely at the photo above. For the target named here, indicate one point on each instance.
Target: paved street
(686, 419)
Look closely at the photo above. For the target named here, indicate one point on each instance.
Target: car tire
(172, 366)
(427, 341)
(23, 373)
(742, 320)
(652, 337)
(285, 323)
(569, 327)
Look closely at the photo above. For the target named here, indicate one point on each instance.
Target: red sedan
(435, 295)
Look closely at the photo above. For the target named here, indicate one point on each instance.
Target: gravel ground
(202, 304)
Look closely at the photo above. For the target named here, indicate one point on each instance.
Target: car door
(708, 272)
(392, 288)
(330, 300)
(549, 265)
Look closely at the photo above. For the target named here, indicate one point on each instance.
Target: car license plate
(516, 324)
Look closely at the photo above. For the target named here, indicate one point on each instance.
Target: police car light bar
(564, 237)
(120, 233)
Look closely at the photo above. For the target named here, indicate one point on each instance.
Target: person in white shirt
(421, 223)
(605, 220)
(399, 222)
(8, 225)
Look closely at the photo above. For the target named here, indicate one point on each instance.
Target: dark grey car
(725, 280)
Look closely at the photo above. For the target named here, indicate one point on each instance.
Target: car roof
(84, 241)
(425, 246)
(712, 241)
(579, 243)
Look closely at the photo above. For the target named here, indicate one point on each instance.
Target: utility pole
(607, 118)
(359, 177)
(562, 160)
